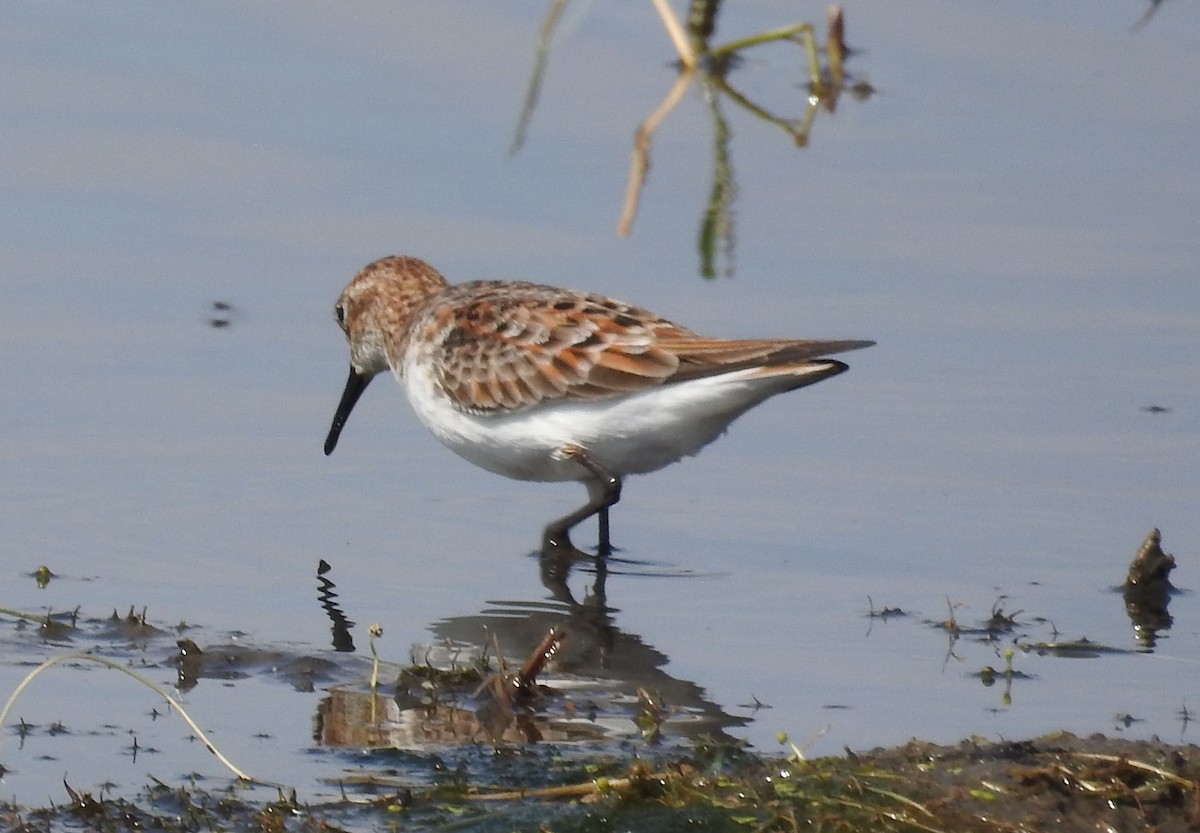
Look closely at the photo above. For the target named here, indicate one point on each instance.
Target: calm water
(1013, 217)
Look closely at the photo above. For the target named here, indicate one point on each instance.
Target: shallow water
(1012, 217)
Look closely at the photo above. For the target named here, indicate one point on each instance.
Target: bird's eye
(340, 312)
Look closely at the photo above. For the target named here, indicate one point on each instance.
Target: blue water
(1012, 216)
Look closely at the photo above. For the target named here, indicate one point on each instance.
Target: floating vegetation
(884, 612)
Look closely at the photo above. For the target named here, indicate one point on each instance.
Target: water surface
(1012, 216)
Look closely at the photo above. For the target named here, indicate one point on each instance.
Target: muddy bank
(1059, 782)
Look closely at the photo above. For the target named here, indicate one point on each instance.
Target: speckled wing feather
(700, 356)
(506, 345)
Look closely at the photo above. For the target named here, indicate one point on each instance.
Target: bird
(540, 383)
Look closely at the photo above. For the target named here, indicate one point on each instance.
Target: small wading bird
(540, 383)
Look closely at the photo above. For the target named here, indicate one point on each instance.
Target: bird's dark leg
(604, 547)
(603, 492)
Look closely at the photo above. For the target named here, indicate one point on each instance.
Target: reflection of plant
(710, 66)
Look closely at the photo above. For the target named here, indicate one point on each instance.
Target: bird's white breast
(631, 434)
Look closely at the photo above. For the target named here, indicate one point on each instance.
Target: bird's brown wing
(505, 345)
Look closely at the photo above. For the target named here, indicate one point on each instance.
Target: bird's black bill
(355, 385)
